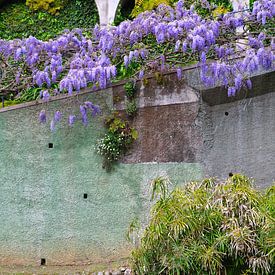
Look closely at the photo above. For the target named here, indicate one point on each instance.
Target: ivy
(51, 6)
(18, 21)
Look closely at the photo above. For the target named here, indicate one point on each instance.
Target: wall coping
(83, 92)
(197, 85)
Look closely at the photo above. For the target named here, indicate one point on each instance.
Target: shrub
(208, 227)
(51, 6)
(144, 5)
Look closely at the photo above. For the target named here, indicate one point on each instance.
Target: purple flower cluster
(85, 109)
(75, 61)
(263, 10)
(235, 75)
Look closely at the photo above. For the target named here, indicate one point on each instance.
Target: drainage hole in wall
(226, 113)
(85, 196)
(43, 261)
(50, 145)
(230, 174)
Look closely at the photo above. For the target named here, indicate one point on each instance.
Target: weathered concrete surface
(182, 128)
(240, 139)
(167, 133)
(167, 113)
(163, 92)
(42, 210)
(45, 215)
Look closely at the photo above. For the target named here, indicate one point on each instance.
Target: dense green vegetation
(51, 6)
(143, 5)
(208, 227)
(18, 21)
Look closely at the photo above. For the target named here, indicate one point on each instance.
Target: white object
(240, 4)
(107, 10)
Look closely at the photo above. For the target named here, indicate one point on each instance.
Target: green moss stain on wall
(43, 213)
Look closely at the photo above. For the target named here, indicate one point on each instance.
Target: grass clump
(208, 227)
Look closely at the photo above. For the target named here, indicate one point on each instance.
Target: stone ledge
(263, 82)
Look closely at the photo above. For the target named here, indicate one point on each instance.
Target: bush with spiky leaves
(208, 227)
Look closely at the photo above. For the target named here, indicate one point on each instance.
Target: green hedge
(18, 21)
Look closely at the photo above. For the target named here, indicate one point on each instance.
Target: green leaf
(134, 134)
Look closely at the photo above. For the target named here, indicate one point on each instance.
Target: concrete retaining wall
(185, 132)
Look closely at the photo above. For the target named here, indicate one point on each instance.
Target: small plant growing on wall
(131, 108)
(120, 134)
(131, 104)
(117, 141)
(130, 89)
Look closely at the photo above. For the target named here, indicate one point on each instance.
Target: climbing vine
(164, 39)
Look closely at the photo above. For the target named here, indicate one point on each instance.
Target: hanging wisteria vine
(164, 39)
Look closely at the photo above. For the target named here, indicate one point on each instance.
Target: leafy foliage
(18, 21)
(51, 6)
(27, 95)
(208, 227)
(117, 141)
(131, 108)
(130, 89)
(131, 104)
(146, 5)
